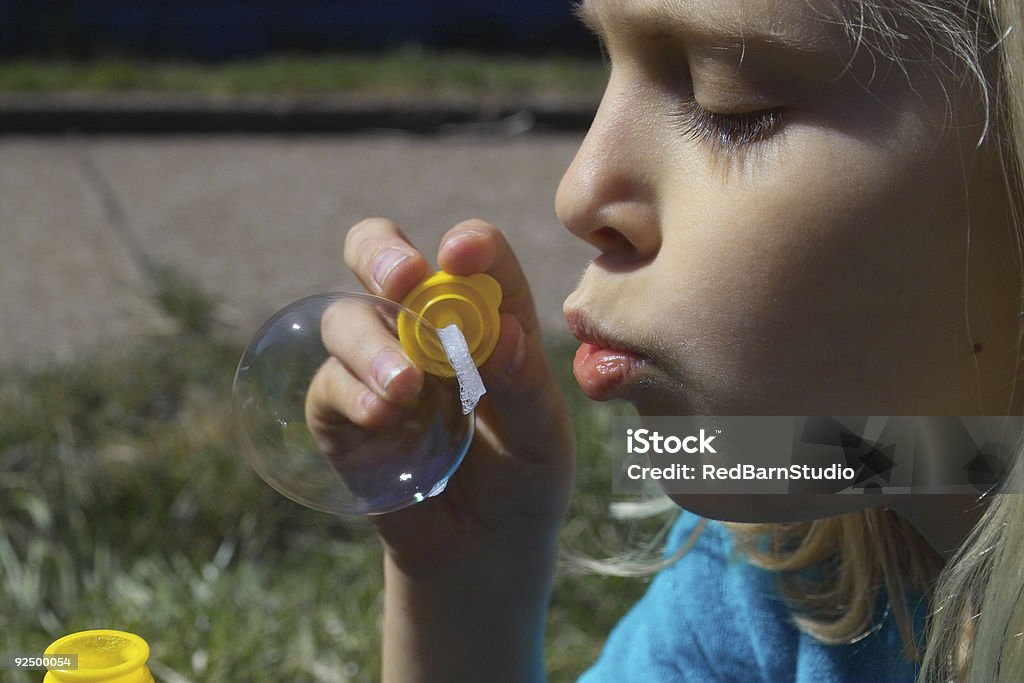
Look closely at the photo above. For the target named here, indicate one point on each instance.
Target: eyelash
(726, 130)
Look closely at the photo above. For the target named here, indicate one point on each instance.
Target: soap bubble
(362, 472)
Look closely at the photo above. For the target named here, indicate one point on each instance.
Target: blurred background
(231, 29)
(171, 173)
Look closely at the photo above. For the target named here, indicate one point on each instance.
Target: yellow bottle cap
(103, 655)
(469, 302)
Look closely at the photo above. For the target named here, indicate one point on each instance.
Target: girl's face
(787, 225)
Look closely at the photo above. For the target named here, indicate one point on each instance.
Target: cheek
(830, 282)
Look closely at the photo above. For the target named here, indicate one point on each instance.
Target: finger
(383, 259)
(336, 400)
(347, 420)
(523, 403)
(361, 336)
(475, 246)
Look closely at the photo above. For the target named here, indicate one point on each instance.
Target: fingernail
(515, 364)
(366, 400)
(385, 263)
(458, 237)
(386, 366)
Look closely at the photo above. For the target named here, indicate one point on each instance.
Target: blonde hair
(977, 629)
(866, 551)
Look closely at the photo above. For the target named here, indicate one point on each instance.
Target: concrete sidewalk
(176, 113)
(258, 221)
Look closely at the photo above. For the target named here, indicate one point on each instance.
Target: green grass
(125, 503)
(407, 72)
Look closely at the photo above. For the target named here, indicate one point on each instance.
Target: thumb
(475, 246)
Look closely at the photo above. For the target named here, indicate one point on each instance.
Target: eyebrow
(715, 32)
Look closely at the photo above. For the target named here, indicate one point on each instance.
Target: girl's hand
(506, 501)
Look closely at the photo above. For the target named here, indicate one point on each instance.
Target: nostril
(610, 240)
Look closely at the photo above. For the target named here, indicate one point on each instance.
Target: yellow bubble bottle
(468, 302)
(104, 656)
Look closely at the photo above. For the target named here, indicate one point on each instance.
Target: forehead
(808, 24)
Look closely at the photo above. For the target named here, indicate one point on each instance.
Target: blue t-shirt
(712, 616)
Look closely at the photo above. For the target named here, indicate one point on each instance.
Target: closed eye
(727, 130)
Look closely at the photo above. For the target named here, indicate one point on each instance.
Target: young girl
(800, 207)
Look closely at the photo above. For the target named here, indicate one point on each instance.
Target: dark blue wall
(222, 29)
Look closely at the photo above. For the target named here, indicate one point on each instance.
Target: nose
(607, 196)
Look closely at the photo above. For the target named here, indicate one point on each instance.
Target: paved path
(258, 221)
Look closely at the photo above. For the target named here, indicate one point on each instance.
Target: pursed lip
(603, 366)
